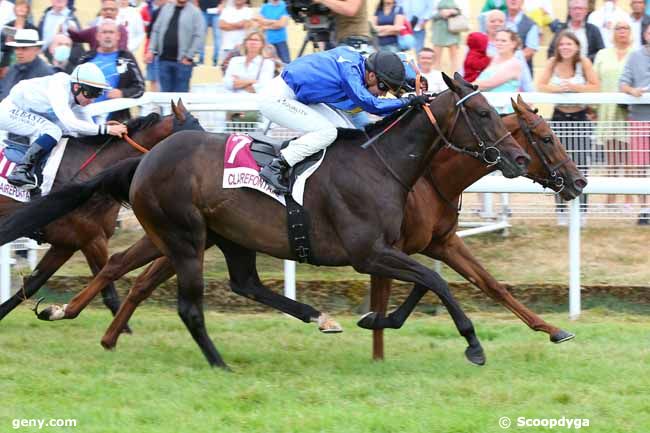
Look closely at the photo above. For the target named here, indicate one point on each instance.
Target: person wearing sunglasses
(44, 108)
(341, 78)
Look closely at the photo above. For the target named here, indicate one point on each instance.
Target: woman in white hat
(44, 108)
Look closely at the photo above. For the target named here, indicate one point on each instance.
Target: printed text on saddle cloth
(240, 169)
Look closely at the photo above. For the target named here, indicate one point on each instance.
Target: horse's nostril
(522, 161)
(580, 184)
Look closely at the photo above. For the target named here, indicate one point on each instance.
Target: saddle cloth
(13, 154)
(246, 154)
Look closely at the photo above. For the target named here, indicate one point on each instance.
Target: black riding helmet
(389, 70)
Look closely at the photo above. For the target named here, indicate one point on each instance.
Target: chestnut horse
(89, 228)
(356, 201)
(431, 221)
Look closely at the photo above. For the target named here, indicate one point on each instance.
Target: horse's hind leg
(53, 259)
(180, 233)
(159, 271)
(139, 254)
(245, 281)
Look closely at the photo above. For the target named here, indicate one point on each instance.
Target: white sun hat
(25, 38)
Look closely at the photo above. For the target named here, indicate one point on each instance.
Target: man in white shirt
(57, 18)
(638, 23)
(605, 17)
(433, 76)
(6, 12)
(234, 21)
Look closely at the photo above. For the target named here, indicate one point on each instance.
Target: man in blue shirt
(273, 19)
(340, 77)
(119, 67)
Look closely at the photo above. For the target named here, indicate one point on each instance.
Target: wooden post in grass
(379, 304)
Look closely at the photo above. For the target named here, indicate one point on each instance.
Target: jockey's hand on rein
(419, 99)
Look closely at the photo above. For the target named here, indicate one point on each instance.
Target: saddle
(265, 148)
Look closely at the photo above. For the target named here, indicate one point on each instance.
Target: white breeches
(21, 122)
(280, 106)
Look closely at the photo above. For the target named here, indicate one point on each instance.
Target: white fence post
(574, 259)
(5, 272)
(290, 279)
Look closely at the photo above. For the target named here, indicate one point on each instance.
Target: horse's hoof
(475, 355)
(108, 345)
(562, 336)
(53, 312)
(369, 320)
(326, 325)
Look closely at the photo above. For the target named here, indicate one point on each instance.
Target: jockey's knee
(47, 141)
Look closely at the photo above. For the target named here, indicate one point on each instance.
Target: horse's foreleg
(379, 295)
(139, 254)
(96, 253)
(391, 263)
(159, 271)
(53, 259)
(455, 253)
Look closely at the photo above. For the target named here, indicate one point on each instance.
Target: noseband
(554, 180)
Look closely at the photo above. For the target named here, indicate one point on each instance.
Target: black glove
(419, 99)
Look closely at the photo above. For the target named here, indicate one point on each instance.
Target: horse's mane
(143, 122)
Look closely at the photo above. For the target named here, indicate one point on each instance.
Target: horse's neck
(78, 152)
(455, 173)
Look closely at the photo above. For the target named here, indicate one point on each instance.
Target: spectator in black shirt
(27, 47)
(177, 36)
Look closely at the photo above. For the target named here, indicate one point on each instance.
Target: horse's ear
(180, 115)
(181, 106)
(453, 85)
(515, 105)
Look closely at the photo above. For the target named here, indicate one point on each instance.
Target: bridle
(489, 155)
(554, 180)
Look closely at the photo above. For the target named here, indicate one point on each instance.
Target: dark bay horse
(429, 226)
(356, 201)
(89, 228)
(431, 220)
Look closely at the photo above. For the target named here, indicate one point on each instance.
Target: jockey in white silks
(44, 108)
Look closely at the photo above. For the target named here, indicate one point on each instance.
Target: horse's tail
(113, 182)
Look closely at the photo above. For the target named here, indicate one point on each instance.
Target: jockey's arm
(355, 89)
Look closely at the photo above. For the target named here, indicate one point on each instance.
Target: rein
(554, 179)
(92, 157)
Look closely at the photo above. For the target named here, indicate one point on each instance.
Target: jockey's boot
(275, 174)
(22, 176)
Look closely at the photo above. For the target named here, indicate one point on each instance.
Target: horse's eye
(548, 139)
(484, 113)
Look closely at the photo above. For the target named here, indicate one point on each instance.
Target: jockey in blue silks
(342, 78)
